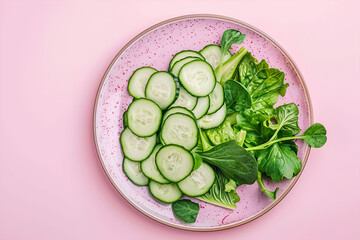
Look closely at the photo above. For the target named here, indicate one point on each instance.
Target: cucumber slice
(213, 120)
(212, 54)
(202, 107)
(216, 98)
(180, 129)
(136, 148)
(144, 117)
(133, 172)
(161, 88)
(198, 78)
(184, 54)
(199, 181)
(138, 81)
(178, 65)
(185, 100)
(167, 193)
(149, 168)
(174, 162)
(177, 110)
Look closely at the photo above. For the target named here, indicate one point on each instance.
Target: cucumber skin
(161, 199)
(190, 112)
(171, 65)
(131, 158)
(132, 77)
(123, 168)
(125, 120)
(182, 148)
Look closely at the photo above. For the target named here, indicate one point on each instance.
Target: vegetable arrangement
(208, 125)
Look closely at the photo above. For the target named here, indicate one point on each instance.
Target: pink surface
(52, 57)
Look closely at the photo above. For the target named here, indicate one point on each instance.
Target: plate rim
(243, 24)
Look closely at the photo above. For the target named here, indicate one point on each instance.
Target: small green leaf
(240, 137)
(197, 161)
(236, 96)
(231, 37)
(230, 186)
(315, 135)
(186, 210)
(270, 194)
(287, 119)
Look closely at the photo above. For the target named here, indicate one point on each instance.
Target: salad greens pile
(256, 138)
(210, 124)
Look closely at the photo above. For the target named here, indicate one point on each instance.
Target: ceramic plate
(155, 47)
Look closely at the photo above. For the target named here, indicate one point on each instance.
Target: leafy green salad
(209, 125)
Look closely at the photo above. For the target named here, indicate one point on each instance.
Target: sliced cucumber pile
(161, 125)
(188, 130)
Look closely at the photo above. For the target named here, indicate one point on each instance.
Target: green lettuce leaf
(279, 161)
(227, 70)
(186, 210)
(197, 161)
(287, 120)
(247, 69)
(230, 186)
(236, 96)
(253, 131)
(222, 193)
(264, 85)
(233, 161)
(221, 134)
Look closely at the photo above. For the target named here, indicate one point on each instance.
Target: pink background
(52, 57)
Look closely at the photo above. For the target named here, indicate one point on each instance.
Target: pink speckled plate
(155, 47)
